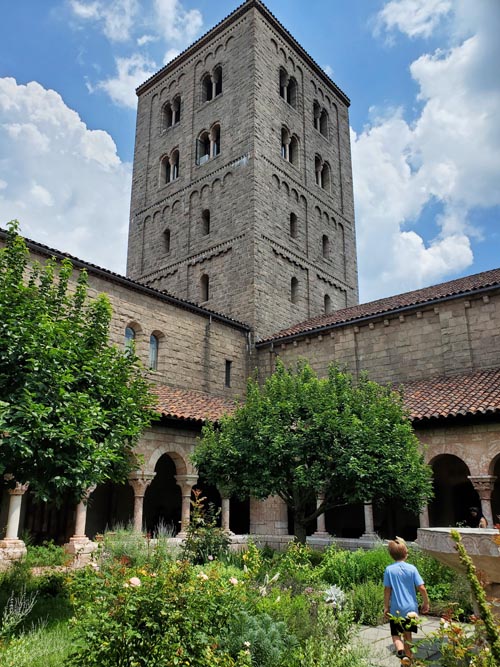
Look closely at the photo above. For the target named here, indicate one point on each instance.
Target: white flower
(203, 576)
(134, 581)
(412, 614)
(233, 581)
(210, 557)
(247, 644)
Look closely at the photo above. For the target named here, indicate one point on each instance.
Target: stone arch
(276, 181)
(228, 41)
(283, 54)
(178, 455)
(286, 187)
(205, 190)
(163, 498)
(208, 56)
(227, 178)
(218, 50)
(180, 77)
(216, 183)
(194, 197)
(453, 491)
(275, 45)
(294, 194)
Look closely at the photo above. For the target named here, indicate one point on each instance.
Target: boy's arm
(387, 600)
(425, 598)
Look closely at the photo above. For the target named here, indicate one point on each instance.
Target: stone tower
(242, 186)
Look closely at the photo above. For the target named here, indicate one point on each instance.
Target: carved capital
(186, 482)
(483, 484)
(140, 483)
(19, 489)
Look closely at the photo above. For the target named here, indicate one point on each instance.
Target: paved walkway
(378, 641)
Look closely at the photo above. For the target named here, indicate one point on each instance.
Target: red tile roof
(477, 392)
(453, 288)
(191, 405)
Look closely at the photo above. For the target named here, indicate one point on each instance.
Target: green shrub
(205, 541)
(148, 618)
(46, 555)
(298, 612)
(348, 568)
(367, 601)
(40, 647)
(294, 566)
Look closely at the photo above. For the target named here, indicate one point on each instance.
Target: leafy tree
(72, 407)
(301, 437)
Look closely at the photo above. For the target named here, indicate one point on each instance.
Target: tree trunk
(300, 532)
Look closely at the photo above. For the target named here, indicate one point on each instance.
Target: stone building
(242, 248)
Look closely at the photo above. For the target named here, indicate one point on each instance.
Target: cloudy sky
(423, 77)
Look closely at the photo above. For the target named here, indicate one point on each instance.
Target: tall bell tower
(242, 183)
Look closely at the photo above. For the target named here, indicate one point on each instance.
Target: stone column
(225, 515)
(369, 524)
(11, 547)
(186, 482)
(484, 485)
(424, 517)
(140, 482)
(320, 522)
(79, 543)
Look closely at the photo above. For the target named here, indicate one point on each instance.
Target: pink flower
(233, 581)
(134, 581)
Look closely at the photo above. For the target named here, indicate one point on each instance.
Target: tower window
(294, 290)
(204, 287)
(293, 226)
(208, 144)
(169, 168)
(217, 80)
(153, 352)
(289, 147)
(323, 177)
(167, 116)
(171, 114)
(325, 246)
(129, 340)
(227, 381)
(203, 148)
(327, 304)
(205, 222)
(166, 240)
(323, 123)
(288, 88)
(211, 85)
(206, 88)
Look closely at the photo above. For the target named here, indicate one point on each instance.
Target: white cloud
(329, 70)
(146, 39)
(69, 189)
(415, 18)
(449, 157)
(116, 16)
(177, 24)
(131, 73)
(170, 55)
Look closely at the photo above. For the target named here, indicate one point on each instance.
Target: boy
(400, 581)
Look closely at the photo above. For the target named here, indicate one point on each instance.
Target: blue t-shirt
(402, 578)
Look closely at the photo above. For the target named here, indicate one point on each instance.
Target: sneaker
(405, 660)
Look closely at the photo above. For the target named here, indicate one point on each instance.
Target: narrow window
(291, 96)
(167, 116)
(293, 151)
(285, 142)
(174, 166)
(153, 352)
(206, 88)
(205, 222)
(325, 177)
(204, 287)
(176, 113)
(203, 148)
(166, 240)
(316, 115)
(228, 373)
(283, 83)
(218, 81)
(129, 340)
(293, 225)
(294, 290)
(164, 171)
(326, 246)
(323, 123)
(328, 304)
(215, 140)
(318, 166)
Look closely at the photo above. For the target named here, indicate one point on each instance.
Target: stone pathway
(379, 642)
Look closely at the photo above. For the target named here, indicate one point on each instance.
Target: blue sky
(422, 76)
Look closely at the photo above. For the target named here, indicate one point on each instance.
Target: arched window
(166, 240)
(165, 170)
(325, 246)
(291, 97)
(176, 110)
(326, 177)
(283, 83)
(203, 148)
(327, 304)
(167, 116)
(206, 88)
(294, 290)
(129, 339)
(285, 142)
(217, 80)
(318, 167)
(323, 123)
(316, 114)
(205, 222)
(293, 151)
(153, 352)
(204, 287)
(293, 226)
(174, 162)
(215, 137)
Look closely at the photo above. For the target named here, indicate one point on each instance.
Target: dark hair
(475, 509)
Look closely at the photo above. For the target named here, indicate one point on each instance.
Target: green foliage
(176, 615)
(299, 437)
(348, 568)
(46, 555)
(205, 541)
(366, 599)
(267, 640)
(41, 646)
(294, 566)
(298, 612)
(72, 407)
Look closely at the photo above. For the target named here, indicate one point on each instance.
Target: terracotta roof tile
(191, 405)
(374, 308)
(473, 393)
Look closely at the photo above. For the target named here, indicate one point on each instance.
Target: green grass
(43, 646)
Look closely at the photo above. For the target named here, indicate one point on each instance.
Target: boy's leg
(408, 643)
